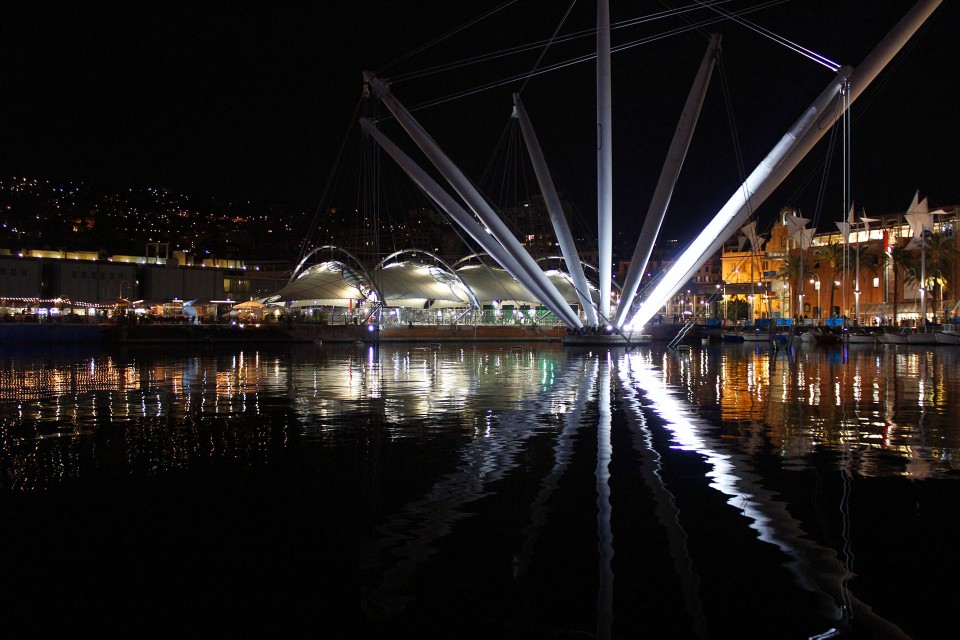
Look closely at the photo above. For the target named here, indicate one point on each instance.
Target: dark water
(488, 492)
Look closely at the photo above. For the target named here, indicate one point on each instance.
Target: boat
(893, 337)
(732, 336)
(860, 337)
(947, 337)
(827, 339)
(948, 334)
(922, 338)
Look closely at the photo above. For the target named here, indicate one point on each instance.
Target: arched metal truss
(356, 260)
(585, 265)
(448, 270)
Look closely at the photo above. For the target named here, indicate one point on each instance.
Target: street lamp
(815, 281)
(726, 302)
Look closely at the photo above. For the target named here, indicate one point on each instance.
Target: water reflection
(892, 406)
(599, 492)
(814, 568)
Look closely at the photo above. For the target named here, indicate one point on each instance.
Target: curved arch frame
(449, 269)
(479, 255)
(585, 265)
(359, 264)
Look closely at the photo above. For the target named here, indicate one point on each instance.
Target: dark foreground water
(488, 492)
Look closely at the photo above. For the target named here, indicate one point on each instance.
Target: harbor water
(488, 491)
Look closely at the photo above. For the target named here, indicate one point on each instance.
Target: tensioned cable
(325, 194)
(807, 53)
(737, 149)
(547, 45)
(450, 33)
(584, 58)
(865, 101)
(449, 66)
(822, 192)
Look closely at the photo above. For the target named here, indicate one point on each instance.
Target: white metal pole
(567, 246)
(782, 159)
(474, 200)
(668, 180)
(460, 216)
(604, 157)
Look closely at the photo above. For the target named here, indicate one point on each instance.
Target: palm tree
(942, 255)
(873, 260)
(791, 271)
(900, 259)
(832, 254)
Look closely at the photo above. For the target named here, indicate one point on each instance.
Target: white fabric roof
(413, 284)
(492, 283)
(328, 283)
(408, 284)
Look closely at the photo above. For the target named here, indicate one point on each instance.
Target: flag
(750, 231)
(918, 216)
(844, 231)
(919, 222)
(795, 224)
(805, 238)
(914, 202)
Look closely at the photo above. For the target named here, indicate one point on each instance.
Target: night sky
(253, 101)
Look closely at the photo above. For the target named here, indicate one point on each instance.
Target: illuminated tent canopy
(409, 284)
(330, 283)
(413, 284)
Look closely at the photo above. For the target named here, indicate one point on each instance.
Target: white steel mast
(668, 180)
(550, 198)
(782, 159)
(456, 212)
(534, 274)
(604, 158)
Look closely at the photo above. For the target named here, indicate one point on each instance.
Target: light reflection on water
(894, 405)
(418, 441)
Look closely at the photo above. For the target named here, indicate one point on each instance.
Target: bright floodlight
(675, 276)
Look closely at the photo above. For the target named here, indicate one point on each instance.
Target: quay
(114, 333)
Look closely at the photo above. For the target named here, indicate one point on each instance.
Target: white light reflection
(682, 424)
(604, 510)
(411, 533)
(570, 406)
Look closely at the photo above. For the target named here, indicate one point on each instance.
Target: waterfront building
(50, 283)
(879, 264)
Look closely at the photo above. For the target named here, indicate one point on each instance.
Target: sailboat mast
(923, 279)
(847, 204)
(604, 158)
(856, 285)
